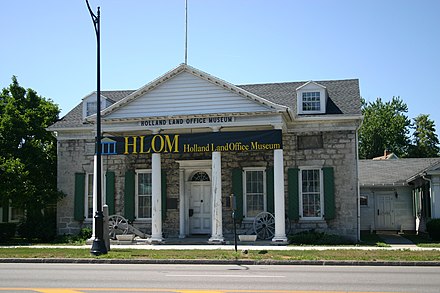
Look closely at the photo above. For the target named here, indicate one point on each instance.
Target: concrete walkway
(394, 239)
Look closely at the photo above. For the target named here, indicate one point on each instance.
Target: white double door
(384, 212)
(200, 207)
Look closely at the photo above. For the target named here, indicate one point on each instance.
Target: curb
(219, 262)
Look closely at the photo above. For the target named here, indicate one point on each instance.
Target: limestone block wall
(338, 151)
(74, 156)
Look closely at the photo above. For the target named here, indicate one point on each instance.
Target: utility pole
(98, 245)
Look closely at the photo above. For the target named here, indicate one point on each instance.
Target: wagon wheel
(117, 225)
(264, 225)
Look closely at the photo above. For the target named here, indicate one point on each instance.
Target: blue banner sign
(240, 141)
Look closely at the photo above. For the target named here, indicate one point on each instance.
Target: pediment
(186, 91)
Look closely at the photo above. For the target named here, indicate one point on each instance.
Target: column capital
(216, 128)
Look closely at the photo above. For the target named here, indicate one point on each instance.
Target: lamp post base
(98, 247)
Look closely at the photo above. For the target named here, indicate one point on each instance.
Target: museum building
(185, 150)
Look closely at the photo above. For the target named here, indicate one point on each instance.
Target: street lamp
(98, 245)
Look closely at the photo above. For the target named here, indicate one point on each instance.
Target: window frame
(314, 102)
(136, 194)
(366, 196)
(88, 178)
(310, 87)
(245, 193)
(321, 193)
(21, 214)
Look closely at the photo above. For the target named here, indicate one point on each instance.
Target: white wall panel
(186, 94)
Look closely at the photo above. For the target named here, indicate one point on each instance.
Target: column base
(216, 240)
(156, 239)
(280, 239)
(182, 236)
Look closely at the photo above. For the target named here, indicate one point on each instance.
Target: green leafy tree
(385, 127)
(425, 141)
(27, 150)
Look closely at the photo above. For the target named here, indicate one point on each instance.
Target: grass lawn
(115, 253)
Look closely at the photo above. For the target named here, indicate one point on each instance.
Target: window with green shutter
(237, 190)
(315, 193)
(110, 191)
(329, 193)
(270, 190)
(129, 195)
(293, 193)
(255, 199)
(163, 178)
(79, 196)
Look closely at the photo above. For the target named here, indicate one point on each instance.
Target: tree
(425, 141)
(385, 127)
(27, 150)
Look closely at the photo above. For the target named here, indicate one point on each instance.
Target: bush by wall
(38, 227)
(433, 228)
(317, 238)
(7, 231)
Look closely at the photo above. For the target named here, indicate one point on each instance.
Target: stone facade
(338, 151)
(318, 133)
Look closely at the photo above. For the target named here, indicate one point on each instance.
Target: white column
(156, 190)
(216, 202)
(280, 229)
(182, 210)
(95, 192)
(435, 197)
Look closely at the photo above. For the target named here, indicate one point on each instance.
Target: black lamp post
(98, 246)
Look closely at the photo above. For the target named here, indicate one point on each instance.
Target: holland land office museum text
(176, 149)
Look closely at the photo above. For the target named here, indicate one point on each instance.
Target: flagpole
(186, 32)
(98, 245)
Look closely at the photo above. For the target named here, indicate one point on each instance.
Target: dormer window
(89, 104)
(311, 98)
(311, 101)
(91, 108)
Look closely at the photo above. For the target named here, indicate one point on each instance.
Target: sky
(391, 46)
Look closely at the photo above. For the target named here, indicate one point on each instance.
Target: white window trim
(92, 98)
(245, 217)
(86, 202)
(10, 220)
(136, 197)
(368, 200)
(321, 193)
(86, 205)
(311, 86)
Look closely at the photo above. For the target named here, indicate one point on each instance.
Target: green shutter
(79, 196)
(129, 194)
(5, 206)
(110, 191)
(329, 193)
(293, 193)
(270, 190)
(163, 179)
(237, 190)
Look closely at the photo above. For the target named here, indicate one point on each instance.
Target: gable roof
(173, 87)
(343, 97)
(394, 172)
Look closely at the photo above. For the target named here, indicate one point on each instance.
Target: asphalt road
(15, 277)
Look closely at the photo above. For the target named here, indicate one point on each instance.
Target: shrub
(433, 228)
(38, 227)
(84, 234)
(7, 231)
(317, 238)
